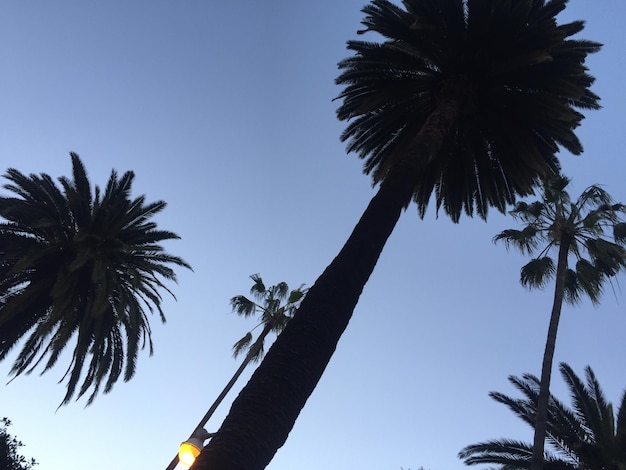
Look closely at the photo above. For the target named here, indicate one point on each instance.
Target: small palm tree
(466, 101)
(274, 315)
(275, 305)
(586, 436)
(79, 265)
(575, 230)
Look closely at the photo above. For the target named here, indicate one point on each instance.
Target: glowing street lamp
(200, 428)
(191, 448)
(272, 312)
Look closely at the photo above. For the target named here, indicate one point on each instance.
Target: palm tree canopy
(587, 435)
(474, 97)
(83, 265)
(275, 304)
(592, 227)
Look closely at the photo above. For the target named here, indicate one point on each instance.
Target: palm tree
(83, 265)
(469, 100)
(274, 315)
(574, 230)
(586, 436)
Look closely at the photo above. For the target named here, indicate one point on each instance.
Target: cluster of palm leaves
(75, 264)
(435, 98)
(589, 435)
(579, 229)
(276, 306)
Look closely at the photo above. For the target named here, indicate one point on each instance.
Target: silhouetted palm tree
(469, 100)
(79, 265)
(576, 230)
(274, 314)
(586, 436)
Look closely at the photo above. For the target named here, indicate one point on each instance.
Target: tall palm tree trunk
(541, 420)
(252, 352)
(265, 411)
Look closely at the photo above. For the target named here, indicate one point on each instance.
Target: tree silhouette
(573, 229)
(83, 266)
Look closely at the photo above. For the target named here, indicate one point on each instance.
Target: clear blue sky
(224, 110)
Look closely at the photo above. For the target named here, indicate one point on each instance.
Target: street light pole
(251, 354)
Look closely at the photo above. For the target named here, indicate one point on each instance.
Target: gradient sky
(224, 110)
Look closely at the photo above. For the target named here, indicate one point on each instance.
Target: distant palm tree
(466, 100)
(83, 265)
(575, 230)
(276, 305)
(587, 436)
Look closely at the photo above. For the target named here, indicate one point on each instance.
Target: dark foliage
(79, 265)
(10, 458)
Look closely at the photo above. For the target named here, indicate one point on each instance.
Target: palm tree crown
(586, 436)
(276, 305)
(581, 225)
(577, 230)
(472, 98)
(79, 264)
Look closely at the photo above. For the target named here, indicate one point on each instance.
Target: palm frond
(582, 437)
(619, 232)
(526, 240)
(243, 306)
(608, 258)
(586, 279)
(258, 288)
(296, 295)
(537, 272)
(508, 453)
(243, 344)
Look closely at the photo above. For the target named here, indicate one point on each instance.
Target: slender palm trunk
(265, 411)
(541, 420)
(258, 344)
